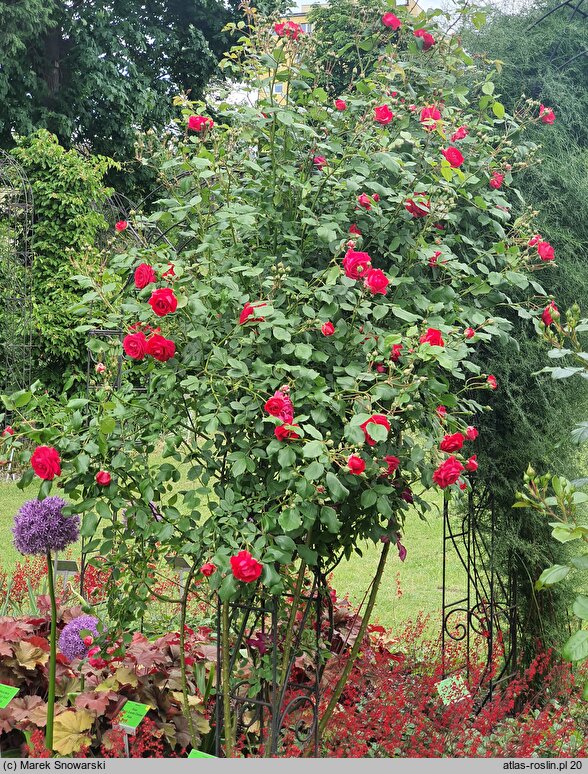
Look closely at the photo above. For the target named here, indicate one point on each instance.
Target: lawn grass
(407, 587)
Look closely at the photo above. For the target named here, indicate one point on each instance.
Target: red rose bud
(441, 412)
(320, 162)
(364, 201)
(284, 433)
(383, 115)
(103, 478)
(471, 433)
(391, 20)
(328, 329)
(462, 485)
(535, 240)
(353, 229)
(163, 302)
(472, 464)
(340, 104)
(121, 225)
(200, 123)
(426, 37)
(376, 197)
(429, 117)
(88, 641)
(396, 353)
(8, 430)
(469, 333)
(355, 464)
(100, 368)
(419, 209)
(453, 156)
(208, 569)
(546, 114)
(549, 313)
(491, 380)
(144, 275)
(170, 271)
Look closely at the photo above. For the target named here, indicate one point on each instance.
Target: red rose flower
(248, 311)
(8, 430)
(364, 201)
(453, 155)
(434, 257)
(459, 134)
(396, 353)
(462, 485)
(103, 478)
(200, 123)
(496, 180)
(393, 463)
(376, 281)
(320, 162)
(135, 345)
(451, 443)
(340, 104)
(46, 463)
(441, 412)
(144, 274)
(328, 329)
(432, 337)
(121, 225)
(427, 38)
(376, 197)
(355, 464)
(448, 472)
(391, 20)
(419, 209)
(353, 229)
(283, 433)
(469, 333)
(208, 569)
(245, 568)
(545, 251)
(160, 348)
(170, 271)
(375, 419)
(429, 117)
(163, 301)
(383, 114)
(288, 29)
(471, 433)
(356, 264)
(548, 312)
(491, 380)
(546, 114)
(280, 406)
(472, 464)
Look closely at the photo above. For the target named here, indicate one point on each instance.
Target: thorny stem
(183, 612)
(357, 644)
(291, 622)
(226, 672)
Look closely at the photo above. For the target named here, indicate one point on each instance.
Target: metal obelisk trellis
(483, 614)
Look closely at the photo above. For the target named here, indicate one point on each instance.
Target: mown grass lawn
(407, 587)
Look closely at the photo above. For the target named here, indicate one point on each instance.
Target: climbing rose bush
(298, 336)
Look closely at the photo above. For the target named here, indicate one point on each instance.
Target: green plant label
(198, 754)
(7, 694)
(452, 689)
(132, 714)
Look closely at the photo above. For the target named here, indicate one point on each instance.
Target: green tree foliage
(69, 194)
(533, 415)
(96, 71)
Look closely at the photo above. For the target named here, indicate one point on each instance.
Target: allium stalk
(52, 656)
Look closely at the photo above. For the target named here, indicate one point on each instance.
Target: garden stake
(52, 657)
(185, 701)
(226, 672)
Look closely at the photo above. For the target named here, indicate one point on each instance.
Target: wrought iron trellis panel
(272, 711)
(484, 615)
(16, 224)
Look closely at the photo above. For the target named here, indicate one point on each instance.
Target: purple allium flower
(71, 642)
(40, 526)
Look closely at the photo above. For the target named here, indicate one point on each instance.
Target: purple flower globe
(40, 526)
(71, 642)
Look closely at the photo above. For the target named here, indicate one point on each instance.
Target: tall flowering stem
(357, 644)
(52, 656)
(183, 612)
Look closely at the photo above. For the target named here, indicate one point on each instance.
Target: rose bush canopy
(306, 333)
